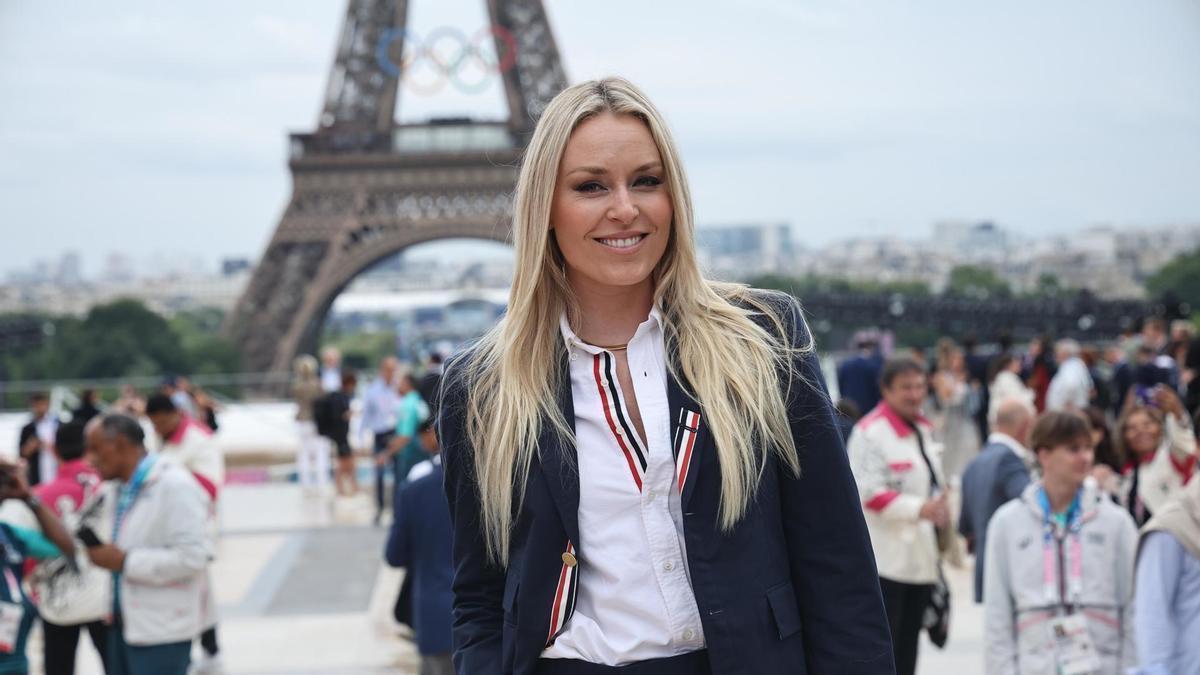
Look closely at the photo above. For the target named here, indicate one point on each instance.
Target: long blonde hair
(740, 373)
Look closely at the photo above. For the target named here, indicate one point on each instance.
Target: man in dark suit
(996, 476)
(37, 441)
(858, 376)
(420, 542)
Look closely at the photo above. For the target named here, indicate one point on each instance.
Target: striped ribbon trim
(618, 417)
(564, 597)
(685, 441)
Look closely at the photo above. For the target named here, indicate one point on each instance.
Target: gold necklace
(614, 348)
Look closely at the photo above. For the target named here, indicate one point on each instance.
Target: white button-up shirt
(635, 599)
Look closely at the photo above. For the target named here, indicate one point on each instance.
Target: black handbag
(937, 614)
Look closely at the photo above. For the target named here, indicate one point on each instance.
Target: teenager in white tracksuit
(1058, 582)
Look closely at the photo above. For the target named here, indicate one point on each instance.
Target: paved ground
(303, 591)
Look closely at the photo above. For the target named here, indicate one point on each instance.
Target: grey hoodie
(1019, 605)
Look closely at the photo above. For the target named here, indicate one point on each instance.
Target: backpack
(325, 414)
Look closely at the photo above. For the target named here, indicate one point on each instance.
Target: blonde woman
(312, 457)
(642, 466)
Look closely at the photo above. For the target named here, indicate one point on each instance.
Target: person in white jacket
(1159, 448)
(157, 550)
(897, 466)
(1058, 581)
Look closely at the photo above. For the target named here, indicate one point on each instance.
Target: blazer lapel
(558, 459)
(689, 434)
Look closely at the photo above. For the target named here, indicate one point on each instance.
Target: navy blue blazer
(420, 541)
(990, 481)
(791, 589)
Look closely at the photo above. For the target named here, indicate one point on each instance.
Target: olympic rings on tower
(432, 55)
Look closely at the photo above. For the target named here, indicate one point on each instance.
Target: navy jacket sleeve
(832, 562)
(478, 582)
(398, 550)
(1014, 477)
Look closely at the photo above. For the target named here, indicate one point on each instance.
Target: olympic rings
(420, 56)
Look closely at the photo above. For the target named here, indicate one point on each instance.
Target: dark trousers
(59, 644)
(381, 442)
(905, 605)
(692, 663)
(125, 659)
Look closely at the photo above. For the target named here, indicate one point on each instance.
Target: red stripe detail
(562, 582)
(1184, 467)
(209, 486)
(612, 425)
(694, 418)
(880, 501)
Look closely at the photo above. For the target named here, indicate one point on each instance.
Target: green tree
(973, 281)
(1181, 275)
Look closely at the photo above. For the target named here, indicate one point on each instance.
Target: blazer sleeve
(1014, 476)
(829, 550)
(478, 609)
(397, 552)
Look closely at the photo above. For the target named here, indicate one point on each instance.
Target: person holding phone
(18, 545)
(1159, 449)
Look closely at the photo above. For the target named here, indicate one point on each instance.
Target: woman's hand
(1166, 398)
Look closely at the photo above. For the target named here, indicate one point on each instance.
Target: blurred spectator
(312, 457)
(430, 386)
(1004, 382)
(420, 542)
(848, 415)
(998, 475)
(87, 407)
(206, 408)
(977, 372)
(1168, 588)
(1038, 370)
(1159, 449)
(192, 445)
(1154, 334)
(332, 412)
(1042, 613)
(1071, 387)
(380, 404)
(1101, 392)
(129, 403)
(1189, 376)
(404, 450)
(37, 440)
(331, 369)
(956, 402)
(900, 483)
(70, 599)
(858, 375)
(21, 547)
(1106, 460)
(179, 390)
(158, 551)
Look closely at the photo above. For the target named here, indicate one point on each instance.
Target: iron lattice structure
(365, 187)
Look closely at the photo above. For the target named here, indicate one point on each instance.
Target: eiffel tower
(365, 187)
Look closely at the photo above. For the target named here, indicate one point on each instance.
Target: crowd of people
(109, 526)
(1089, 451)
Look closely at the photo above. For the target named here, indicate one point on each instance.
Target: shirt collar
(1011, 443)
(899, 425)
(652, 322)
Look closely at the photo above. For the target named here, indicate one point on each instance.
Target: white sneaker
(207, 665)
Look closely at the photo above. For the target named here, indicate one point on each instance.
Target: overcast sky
(159, 129)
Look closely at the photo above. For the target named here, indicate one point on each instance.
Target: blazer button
(569, 559)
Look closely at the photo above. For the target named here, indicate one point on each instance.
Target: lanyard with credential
(129, 492)
(1074, 566)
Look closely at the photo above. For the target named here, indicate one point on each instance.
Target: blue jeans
(126, 659)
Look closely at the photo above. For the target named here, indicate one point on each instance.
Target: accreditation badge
(1074, 651)
(11, 615)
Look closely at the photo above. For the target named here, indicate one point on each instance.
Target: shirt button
(668, 566)
(689, 634)
(650, 494)
(620, 431)
(574, 356)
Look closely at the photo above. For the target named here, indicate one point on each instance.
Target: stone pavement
(303, 591)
